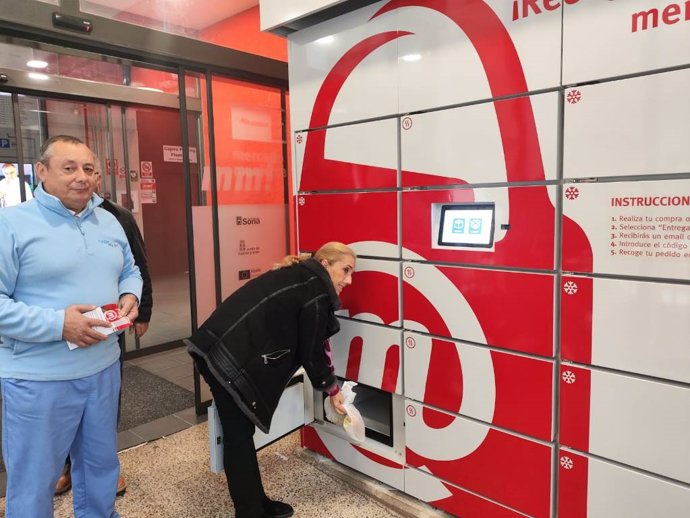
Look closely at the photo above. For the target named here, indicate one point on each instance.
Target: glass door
(139, 149)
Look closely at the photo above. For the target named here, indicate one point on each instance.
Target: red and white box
(452, 499)
(635, 126)
(508, 390)
(366, 221)
(510, 310)
(498, 465)
(374, 295)
(594, 488)
(634, 326)
(368, 354)
(355, 156)
(486, 142)
(638, 422)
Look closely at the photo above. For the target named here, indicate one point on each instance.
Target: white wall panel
(628, 127)
(466, 144)
(356, 156)
(362, 83)
(607, 39)
(464, 51)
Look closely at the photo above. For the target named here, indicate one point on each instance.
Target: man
(10, 192)
(136, 243)
(60, 256)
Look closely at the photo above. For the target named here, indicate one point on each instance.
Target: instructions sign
(633, 228)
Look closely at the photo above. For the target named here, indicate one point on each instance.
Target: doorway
(139, 148)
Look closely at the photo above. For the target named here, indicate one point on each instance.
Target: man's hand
(140, 328)
(80, 330)
(128, 306)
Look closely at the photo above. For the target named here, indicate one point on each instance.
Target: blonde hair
(332, 252)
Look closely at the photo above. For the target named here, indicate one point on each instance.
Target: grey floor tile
(128, 439)
(189, 416)
(160, 428)
(176, 372)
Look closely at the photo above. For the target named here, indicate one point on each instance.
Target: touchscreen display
(467, 224)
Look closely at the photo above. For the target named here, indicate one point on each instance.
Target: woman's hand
(337, 401)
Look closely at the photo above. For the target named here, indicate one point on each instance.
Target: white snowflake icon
(567, 462)
(301, 201)
(569, 377)
(570, 288)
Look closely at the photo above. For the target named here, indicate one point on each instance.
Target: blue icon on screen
(475, 226)
(459, 226)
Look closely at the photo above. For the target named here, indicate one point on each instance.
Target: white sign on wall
(174, 154)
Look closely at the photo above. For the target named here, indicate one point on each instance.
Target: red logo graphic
(411, 411)
(574, 96)
(111, 315)
(570, 288)
(410, 342)
(407, 123)
(572, 193)
(409, 272)
(569, 377)
(567, 462)
(299, 138)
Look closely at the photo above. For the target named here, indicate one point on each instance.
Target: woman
(250, 347)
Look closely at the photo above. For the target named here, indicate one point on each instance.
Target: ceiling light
(411, 58)
(37, 63)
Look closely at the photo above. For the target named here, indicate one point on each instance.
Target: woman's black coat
(260, 335)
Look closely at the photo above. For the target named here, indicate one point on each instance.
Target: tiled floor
(175, 366)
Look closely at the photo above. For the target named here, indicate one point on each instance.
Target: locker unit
(638, 422)
(374, 295)
(464, 145)
(635, 326)
(504, 389)
(506, 468)
(350, 218)
(510, 310)
(334, 158)
(636, 126)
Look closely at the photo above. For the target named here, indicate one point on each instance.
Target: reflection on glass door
(146, 176)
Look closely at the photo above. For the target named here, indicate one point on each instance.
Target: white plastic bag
(352, 422)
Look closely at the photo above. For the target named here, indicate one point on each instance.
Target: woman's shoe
(276, 509)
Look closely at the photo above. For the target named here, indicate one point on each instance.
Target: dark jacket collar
(316, 267)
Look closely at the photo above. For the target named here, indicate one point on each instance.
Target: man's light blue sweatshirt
(49, 260)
